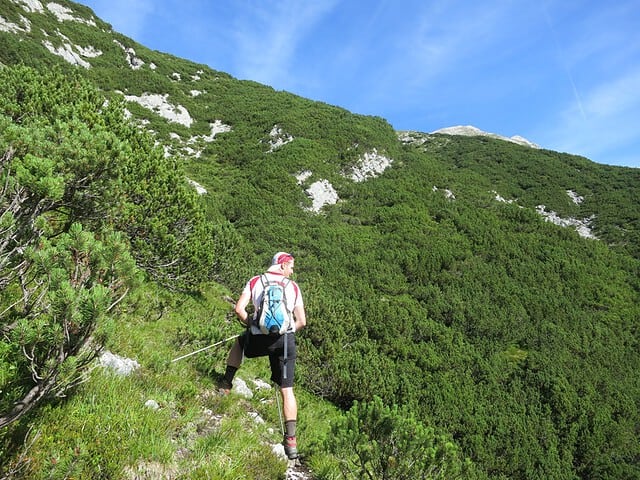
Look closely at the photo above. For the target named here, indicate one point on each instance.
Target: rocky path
(298, 471)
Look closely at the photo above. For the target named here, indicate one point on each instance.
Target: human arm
(300, 317)
(241, 307)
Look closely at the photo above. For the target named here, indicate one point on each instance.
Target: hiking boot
(224, 387)
(290, 447)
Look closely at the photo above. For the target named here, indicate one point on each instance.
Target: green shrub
(379, 442)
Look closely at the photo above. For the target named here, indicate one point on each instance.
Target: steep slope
(433, 279)
(204, 115)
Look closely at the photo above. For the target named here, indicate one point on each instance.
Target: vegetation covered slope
(515, 336)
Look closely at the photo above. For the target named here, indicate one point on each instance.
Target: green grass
(104, 430)
(100, 430)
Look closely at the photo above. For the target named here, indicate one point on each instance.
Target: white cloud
(268, 35)
(617, 97)
(554, 72)
(440, 41)
(124, 15)
(609, 122)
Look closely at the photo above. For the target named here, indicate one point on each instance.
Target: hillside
(486, 290)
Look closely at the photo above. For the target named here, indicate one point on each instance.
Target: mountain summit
(471, 131)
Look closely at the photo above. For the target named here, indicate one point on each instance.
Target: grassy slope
(105, 430)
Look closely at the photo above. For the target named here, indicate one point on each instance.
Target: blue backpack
(273, 316)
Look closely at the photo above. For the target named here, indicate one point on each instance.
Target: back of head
(280, 258)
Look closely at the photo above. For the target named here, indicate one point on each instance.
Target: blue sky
(564, 74)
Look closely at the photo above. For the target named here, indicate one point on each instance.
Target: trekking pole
(279, 411)
(206, 348)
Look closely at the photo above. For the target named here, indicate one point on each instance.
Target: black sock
(290, 428)
(229, 373)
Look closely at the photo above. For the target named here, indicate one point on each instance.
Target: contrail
(563, 62)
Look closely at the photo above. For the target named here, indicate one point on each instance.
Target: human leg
(289, 405)
(234, 360)
(290, 413)
(282, 373)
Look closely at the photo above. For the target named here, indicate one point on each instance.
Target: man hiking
(276, 339)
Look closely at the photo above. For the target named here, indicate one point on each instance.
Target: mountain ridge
(81, 55)
(469, 130)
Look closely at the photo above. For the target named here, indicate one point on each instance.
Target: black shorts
(273, 347)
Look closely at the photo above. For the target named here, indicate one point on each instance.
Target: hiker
(279, 347)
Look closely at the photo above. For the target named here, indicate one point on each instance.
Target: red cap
(281, 257)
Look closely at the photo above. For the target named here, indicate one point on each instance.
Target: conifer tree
(79, 186)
